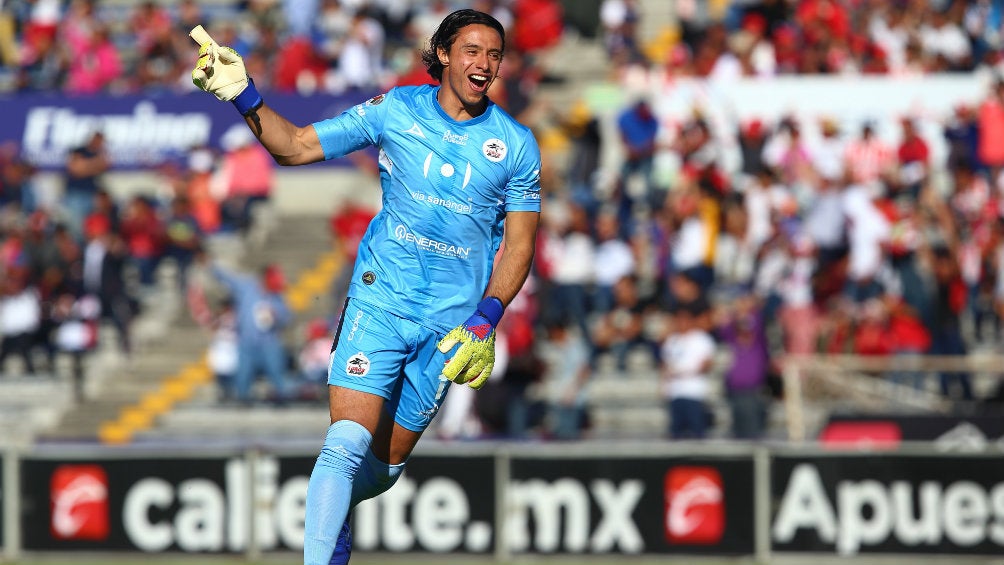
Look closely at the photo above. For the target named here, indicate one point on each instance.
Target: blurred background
(769, 227)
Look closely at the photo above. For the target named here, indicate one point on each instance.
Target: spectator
(619, 19)
(183, 238)
(567, 261)
(161, 57)
(248, 171)
(741, 328)
(96, 65)
(622, 329)
(144, 235)
(538, 25)
(20, 318)
(688, 356)
(614, 260)
(990, 125)
(223, 355)
(962, 133)
(85, 167)
(17, 186)
(313, 358)
(868, 159)
(638, 128)
(799, 315)
(565, 377)
(43, 65)
(914, 160)
(692, 250)
(867, 235)
(262, 315)
(360, 59)
(525, 365)
(198, 188)
(76, 332)
(946, 335)
(104, 259)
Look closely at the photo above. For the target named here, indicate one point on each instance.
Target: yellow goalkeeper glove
(473, 361)
(220, 71)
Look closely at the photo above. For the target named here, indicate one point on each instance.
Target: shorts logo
(369, 278)
(494, 149)
(358, 365)
(695, 506)
(79, 503)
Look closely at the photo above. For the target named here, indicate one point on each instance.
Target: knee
(345, 446)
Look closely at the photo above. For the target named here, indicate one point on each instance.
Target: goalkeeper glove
(473, 361)
(220, 71)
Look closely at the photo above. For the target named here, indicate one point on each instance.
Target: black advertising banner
(632, 505)
(440, 504)
(889, 503)
(153, 505)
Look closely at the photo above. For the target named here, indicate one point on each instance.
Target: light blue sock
(329, 490)
(374, 478)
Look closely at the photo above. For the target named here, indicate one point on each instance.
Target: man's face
(471, 65)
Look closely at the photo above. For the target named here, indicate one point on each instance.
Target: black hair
(446, 33)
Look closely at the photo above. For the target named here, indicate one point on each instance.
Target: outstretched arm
(289, 144)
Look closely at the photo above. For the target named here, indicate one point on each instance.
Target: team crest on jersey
(358, 365)
(376, 100)
(494, 149)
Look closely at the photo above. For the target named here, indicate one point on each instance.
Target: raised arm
(288, 143)
(221, 72)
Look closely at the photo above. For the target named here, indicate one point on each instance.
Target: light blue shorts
(377, 352)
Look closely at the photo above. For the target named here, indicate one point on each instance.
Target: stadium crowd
(840, 243)
(87, 46)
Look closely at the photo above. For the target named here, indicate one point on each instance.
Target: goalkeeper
(459, 179)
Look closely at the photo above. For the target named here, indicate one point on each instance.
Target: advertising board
(141, 131)
(632, 505)
(893, 503)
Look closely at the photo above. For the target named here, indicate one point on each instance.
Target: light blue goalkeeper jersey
(447, 185)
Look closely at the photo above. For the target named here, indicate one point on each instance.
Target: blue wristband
(248, 100)
(491, 308)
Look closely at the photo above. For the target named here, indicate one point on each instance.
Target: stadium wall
(731, 501)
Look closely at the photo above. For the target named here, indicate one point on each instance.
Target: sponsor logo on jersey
(79, 503)
(695, 506)
(401, 233)
(451, 137)
(451, 205)
(358, 365)
(494, 149)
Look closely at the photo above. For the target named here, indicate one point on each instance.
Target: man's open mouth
(478, 81)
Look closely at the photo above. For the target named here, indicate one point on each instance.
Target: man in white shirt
(687, 355)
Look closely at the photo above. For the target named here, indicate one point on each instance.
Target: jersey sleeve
(523, 188)
(359, 126)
